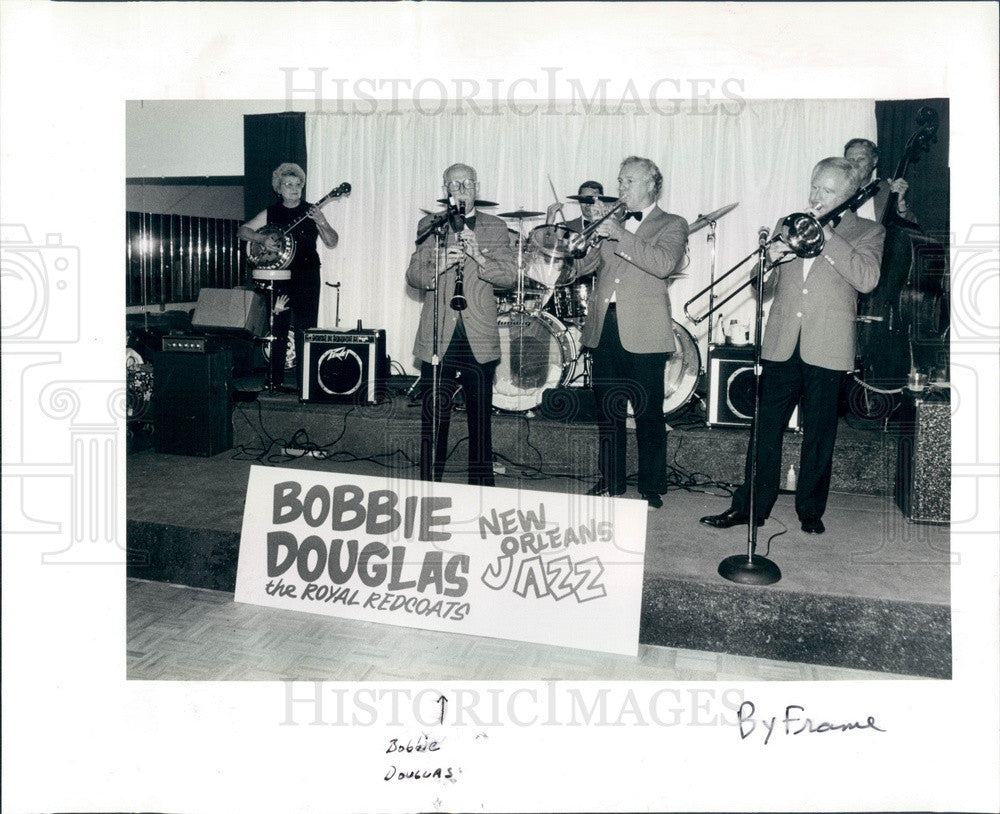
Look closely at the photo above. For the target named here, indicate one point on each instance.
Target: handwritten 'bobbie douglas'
(793, 724)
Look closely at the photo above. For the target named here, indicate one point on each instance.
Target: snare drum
(534, 300)
(537, 352)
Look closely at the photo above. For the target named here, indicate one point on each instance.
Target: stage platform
(870, 594)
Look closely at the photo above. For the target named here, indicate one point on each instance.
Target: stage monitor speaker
(192, 403)
(731, 383)
(230, 309)
(923, 464)
(344, 367)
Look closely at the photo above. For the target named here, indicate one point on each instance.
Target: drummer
(594, 190)
(301, 291)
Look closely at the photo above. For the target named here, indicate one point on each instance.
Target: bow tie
(471, 222)
(636, 215)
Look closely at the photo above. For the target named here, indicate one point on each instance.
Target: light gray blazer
(638, 267)
(822, 308)
(480, 318)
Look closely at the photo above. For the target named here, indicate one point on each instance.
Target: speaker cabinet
(344, 367)
(731, 387)
(192, 403)
(923, 463)
(233, 309)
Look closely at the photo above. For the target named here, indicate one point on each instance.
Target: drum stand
(268, 340)
(519, 291)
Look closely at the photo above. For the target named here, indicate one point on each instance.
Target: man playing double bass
(863, 155)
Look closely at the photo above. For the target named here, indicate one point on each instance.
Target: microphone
(762, 234)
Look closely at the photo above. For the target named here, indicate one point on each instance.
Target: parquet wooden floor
(190, 634)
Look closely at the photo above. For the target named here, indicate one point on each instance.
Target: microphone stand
(747, 569)
(440, 230)
(438, 226)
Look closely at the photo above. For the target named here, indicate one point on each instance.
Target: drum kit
(540, 321)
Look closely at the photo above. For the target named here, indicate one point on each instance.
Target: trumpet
(802, 232)
(591, 239)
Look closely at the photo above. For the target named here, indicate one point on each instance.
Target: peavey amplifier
(344, 367)
(731, 387)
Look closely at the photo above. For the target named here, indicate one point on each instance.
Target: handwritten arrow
(443, 702)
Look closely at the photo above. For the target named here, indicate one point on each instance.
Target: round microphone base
(758, 571)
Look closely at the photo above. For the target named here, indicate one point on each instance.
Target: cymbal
(703, 220)
(479, 204)
(520, 213)
(589, 199)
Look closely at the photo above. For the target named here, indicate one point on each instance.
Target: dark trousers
(620, 377)
(783, 384)
(459, 368)
(305, 311)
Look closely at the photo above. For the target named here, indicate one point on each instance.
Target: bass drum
(537, 352)
(680, 377)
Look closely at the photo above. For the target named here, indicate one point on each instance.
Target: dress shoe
(653, 499)
(727, 519)
(813, 526)
(600, 489)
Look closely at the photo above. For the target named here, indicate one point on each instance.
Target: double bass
(902, 322)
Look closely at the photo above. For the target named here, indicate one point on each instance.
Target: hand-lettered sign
(541, 567)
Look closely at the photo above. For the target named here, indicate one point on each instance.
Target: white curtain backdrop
(759, 156)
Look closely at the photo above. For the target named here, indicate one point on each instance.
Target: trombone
(802, 232)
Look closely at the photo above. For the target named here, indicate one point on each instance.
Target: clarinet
(458, 301)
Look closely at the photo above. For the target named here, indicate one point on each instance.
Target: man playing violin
(863, 155)
(301, 291)
(808, 345)
(633, 255)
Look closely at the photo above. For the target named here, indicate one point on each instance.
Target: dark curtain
(930, 186)
(269, 139)
(911, 301)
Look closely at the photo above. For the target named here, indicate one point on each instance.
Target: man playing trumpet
(629, 328)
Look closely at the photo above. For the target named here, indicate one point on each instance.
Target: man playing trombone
(629, 328)
(808, 345)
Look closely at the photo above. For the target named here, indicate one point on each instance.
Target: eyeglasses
(467, 185)
(292, 183)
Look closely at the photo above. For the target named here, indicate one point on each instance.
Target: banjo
(260, 257)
